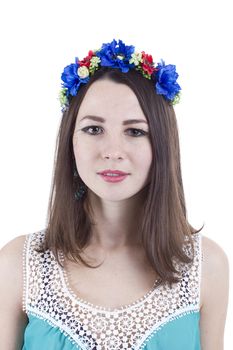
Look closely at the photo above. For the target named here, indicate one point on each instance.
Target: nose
(113, 149)
(112, 156)
(113, 153)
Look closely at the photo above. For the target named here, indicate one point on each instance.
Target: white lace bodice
(47, 295)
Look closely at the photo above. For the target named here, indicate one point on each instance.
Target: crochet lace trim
(48, 296)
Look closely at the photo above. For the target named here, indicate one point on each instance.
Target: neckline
(99, 308)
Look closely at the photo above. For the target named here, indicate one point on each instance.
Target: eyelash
(143, 133)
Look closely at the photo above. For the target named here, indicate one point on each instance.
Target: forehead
(107, 97)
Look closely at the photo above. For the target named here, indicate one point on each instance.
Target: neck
(116, 223)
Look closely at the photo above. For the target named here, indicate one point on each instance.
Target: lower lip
(113, 178)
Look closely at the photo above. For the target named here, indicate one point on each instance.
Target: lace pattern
(47, 295)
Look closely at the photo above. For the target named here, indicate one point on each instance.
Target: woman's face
(108, 143)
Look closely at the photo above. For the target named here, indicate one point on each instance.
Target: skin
(113, 146)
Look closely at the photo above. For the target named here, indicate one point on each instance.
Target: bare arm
(13, 319)
(215, 290)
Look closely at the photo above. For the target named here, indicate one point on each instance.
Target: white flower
(136, 58)
(83, 72)
(120, 57)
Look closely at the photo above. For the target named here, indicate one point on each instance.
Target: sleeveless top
(163, 319)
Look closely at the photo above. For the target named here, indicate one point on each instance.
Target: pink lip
(113, 178)
(118, 172)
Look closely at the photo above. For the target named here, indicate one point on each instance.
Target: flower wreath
(118, 55)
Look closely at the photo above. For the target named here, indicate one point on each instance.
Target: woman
(118, 265)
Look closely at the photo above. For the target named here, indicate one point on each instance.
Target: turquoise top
(163, 319)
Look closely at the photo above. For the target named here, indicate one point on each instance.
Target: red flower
(147, 63)
(86, 61)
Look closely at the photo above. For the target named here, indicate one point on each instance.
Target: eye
(90, 127)
(136, 132)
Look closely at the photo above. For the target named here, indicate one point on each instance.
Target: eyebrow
(125, 122)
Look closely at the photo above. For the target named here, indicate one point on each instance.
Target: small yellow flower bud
(95, 61)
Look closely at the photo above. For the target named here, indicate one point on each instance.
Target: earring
(81, 190)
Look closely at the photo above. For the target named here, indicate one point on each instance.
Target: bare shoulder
(13, 244)
(215, 277)
(215, 266)
(13, 250)
(11, 263)
(215, 259)
(13, 319)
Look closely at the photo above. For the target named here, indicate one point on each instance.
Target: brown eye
(90, 127)
(138, 132)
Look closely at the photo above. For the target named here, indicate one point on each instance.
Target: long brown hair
(163, 224)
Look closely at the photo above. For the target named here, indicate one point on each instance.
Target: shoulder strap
(192, 272)
(31, 266)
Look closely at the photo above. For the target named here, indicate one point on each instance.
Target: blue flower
(166, 77)
(116, 55)
(71, 80)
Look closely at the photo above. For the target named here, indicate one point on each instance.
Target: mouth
(110, 172)
(113, 177)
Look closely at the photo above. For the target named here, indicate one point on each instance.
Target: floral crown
(118, 55)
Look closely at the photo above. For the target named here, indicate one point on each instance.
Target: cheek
(144, 155)
(85, 158)
(78, 152)
(83, 154)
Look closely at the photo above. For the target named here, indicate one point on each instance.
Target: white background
(39, 38)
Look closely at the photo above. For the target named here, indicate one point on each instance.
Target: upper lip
(119, 172)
